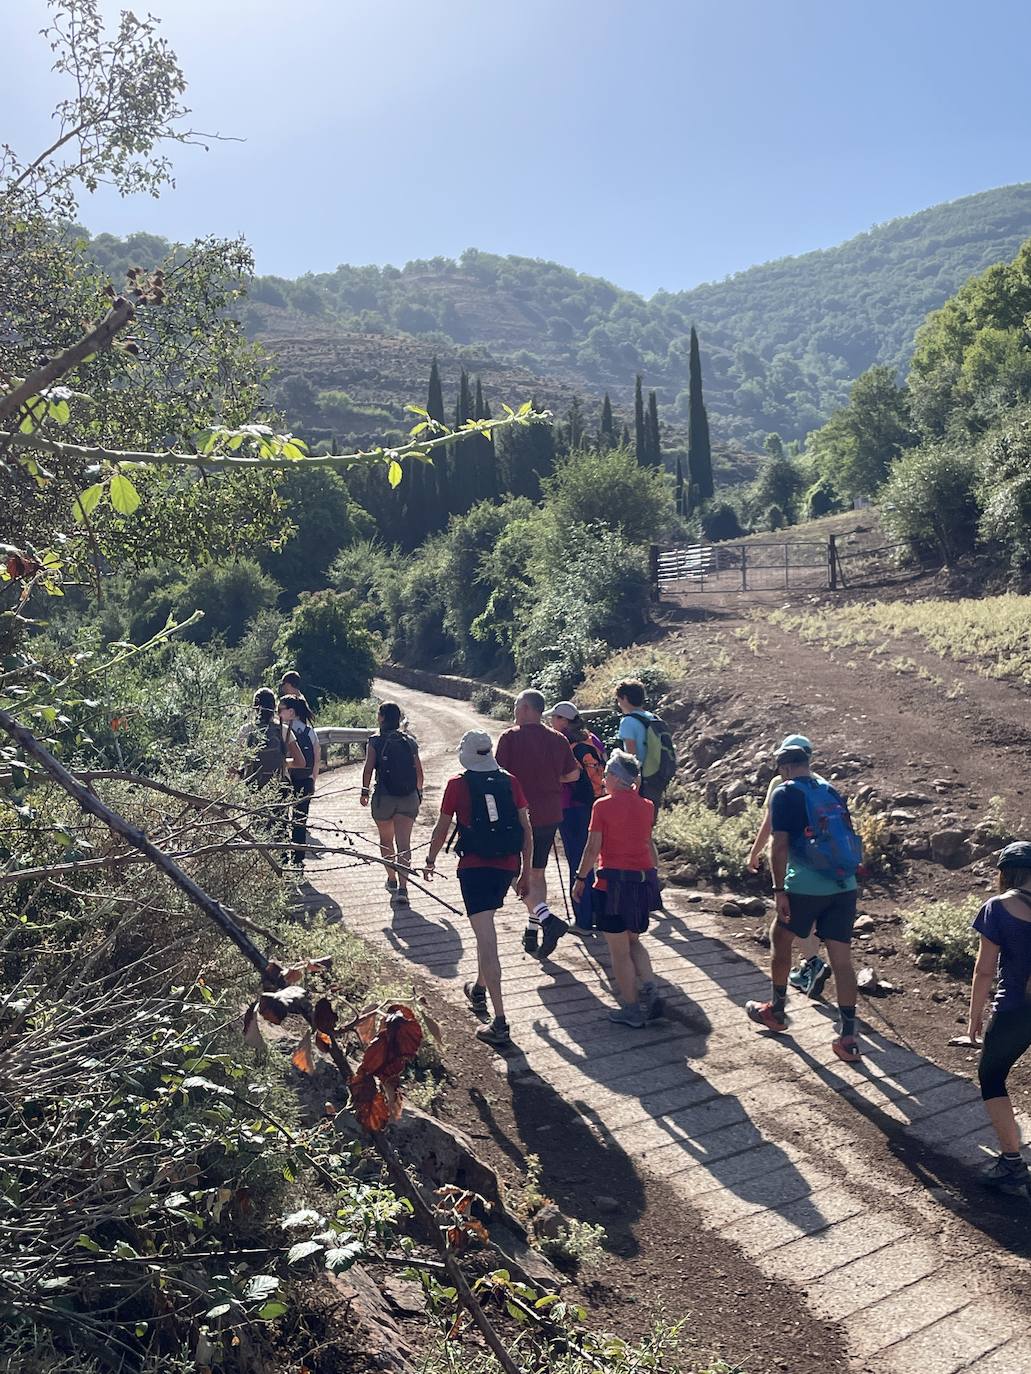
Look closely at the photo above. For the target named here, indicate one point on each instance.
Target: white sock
(540, 914)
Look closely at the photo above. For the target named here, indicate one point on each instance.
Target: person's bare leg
(808, 948)
(488, 965)
(839, 956)
(1000, 1112)
(403, 848)
(641, 962)
(781, 941)
(624, 974)
(386, 845)
(536, 890)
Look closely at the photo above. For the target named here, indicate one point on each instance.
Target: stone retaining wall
(440, 684)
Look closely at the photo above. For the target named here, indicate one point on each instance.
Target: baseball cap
(1016, 855)
(566, 709)
(795, 743)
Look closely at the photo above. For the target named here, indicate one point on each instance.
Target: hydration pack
(494, 830)
(395, 765)
(267, 755)
(659, 764)
(829, 844)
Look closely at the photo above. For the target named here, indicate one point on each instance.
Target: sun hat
(795, 742)
(476, 753)
(1016, 855)
(565, 709)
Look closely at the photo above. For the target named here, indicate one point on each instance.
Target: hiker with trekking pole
(814, 860)
(543, 762)
(577, 800)
(494, 841)
(1003, 926)
(393, 756)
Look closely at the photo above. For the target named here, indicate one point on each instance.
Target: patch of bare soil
(903, 736)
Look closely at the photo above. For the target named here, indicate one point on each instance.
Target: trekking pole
(561, 882)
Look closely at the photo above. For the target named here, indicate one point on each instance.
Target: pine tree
(652, 431)
(607, 433)
(436, 484)
(699, 453)
(640, 434)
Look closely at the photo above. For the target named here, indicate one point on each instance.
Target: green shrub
(720, 521)
(329, 644)
(611, 490)
(578, 1243)
(706, 840)
(942, 930)
(928, 501)
(254, 657)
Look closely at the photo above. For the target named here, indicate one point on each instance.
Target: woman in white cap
(1004, 927)
(495, 845)
(626, 888)
(578, 798)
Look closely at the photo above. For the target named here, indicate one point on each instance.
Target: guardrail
(344, 737)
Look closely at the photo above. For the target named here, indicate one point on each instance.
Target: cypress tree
(699, 453)
(463, 456)
(652, 431)
(435, 399)
(575, 420)
(486, 465)
(608, 425)
(640, 434)
(680, 487)
(436, 483)
(624, 438)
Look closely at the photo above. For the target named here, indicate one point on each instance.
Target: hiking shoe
(553, 929)
(632, 1015)
(476, 996)
(654, 1009)
(798, 973)
(401, 897)
(530, 937)
(497, 1033)
(820, 978)
(1008, 1176)
(846, 1047)
(391, 884)
(762, 1014)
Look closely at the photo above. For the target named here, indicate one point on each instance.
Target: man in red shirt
(542, 761)
(493, 833)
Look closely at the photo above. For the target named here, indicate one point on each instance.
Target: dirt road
(850, 1184)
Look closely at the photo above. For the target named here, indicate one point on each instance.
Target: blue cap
(1016, 855)
(795, 742)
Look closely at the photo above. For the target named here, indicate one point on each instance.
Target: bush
(821, 499)
(648, 663)
(721, 522)
(330, 645)
(1004, 488)
(254, 657)
(928, 501)
(578, 1243)
(612, 490)
(942, 930)
(705, 840)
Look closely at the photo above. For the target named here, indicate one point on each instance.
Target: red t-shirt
(457, 802)
(538, 757)
(624, 820)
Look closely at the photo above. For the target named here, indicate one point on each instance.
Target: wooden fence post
(744, 567)
(832, 563)
(654, 572)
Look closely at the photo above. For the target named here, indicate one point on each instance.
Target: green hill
(781, 342)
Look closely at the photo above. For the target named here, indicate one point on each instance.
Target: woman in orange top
(626, 888)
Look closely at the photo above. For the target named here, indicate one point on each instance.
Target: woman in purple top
(578, 798)
(1004, 925)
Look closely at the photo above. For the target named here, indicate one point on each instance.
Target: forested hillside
(781, 343)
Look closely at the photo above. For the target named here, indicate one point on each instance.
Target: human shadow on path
(705, 1127)
(953, 1184)
(308, 905)
(431, 941)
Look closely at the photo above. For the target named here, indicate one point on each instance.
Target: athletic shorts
(833, 915)
(613, 924)
(484, 889)
(543, 839)
(385, 806)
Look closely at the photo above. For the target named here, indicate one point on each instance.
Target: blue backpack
(829, 845)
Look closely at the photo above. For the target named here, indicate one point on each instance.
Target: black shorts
(833, 915)
(543, 839)
(484, 889)
(613, 925)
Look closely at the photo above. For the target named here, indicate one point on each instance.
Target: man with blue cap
(815, 856)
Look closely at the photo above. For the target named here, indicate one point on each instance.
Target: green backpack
(659, 764)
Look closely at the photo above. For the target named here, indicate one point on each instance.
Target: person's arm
(294, 755)
(588, 859)
(627, 737)
(522, 882)
(317, 755)
(981, 988)
(437, 841)
(760, 842)
(573, 769)
(370, 764)
(419, 777)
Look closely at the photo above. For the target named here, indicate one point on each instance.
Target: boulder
(916, 847)
(706, 750)
(864, 925)
(549, 1222)
(370, 1317)
(737, 806)
(751, 906)
(950, 848)
(740, 788)
(911, 799)
(873, 986)
(731, 909)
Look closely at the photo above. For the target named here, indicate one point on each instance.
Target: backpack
(590, 785)
(829, 845)
(306, 741)
(659, 764)
(495, 830)
(395, 765)
(267, 755)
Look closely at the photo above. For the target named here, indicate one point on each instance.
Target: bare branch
(95, 341)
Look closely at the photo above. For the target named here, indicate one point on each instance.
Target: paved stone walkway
(746, 1127)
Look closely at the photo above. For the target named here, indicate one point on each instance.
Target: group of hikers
(503, 811)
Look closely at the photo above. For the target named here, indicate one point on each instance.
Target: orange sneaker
(846, 1047)
(762, 1014)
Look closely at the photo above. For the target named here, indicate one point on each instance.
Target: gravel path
(822, 1173)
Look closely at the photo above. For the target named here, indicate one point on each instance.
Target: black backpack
(495, 830)
(267, 755)
(395, 765)
(306, 741)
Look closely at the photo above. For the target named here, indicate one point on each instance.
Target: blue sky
(658, 143)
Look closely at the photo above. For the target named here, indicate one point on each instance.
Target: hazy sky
(658, 143)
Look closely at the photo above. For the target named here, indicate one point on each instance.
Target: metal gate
(743, 567)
